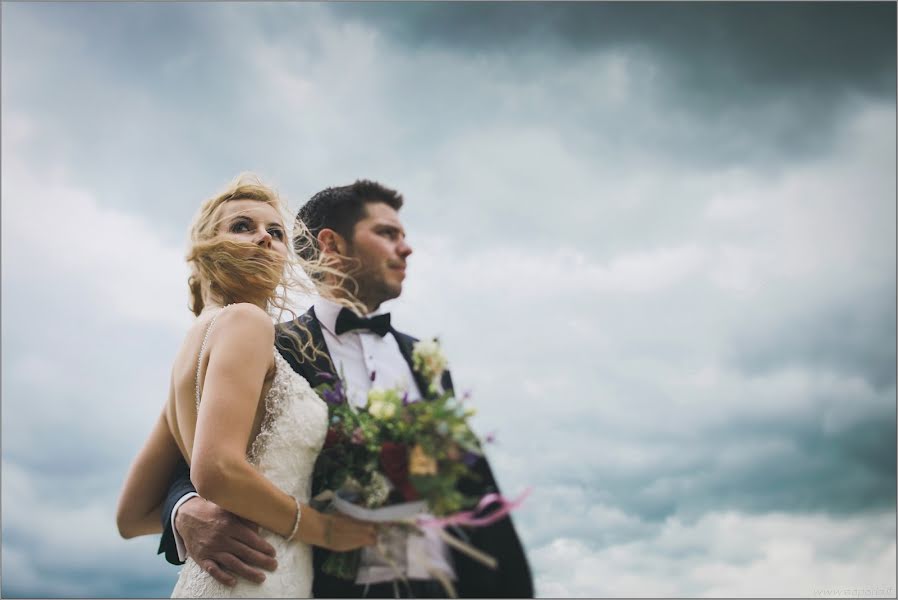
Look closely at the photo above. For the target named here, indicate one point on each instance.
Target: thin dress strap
(199, 360)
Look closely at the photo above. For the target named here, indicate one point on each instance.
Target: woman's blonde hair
(232, 271)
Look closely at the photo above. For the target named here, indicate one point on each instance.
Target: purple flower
(469, 458)
(490, 437)
(405, 401)
(373, 375)
(466, 395)
(335, 395)
(324, 375)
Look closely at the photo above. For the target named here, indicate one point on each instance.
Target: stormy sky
(657, 241)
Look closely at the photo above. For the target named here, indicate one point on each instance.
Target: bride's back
(186, 378)
(238, 251)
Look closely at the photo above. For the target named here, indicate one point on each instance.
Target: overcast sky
(657, 241)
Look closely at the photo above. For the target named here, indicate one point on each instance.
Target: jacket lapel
(287, 345)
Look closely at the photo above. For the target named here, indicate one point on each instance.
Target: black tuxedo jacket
(512, 578)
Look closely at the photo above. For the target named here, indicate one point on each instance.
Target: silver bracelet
(296, 522)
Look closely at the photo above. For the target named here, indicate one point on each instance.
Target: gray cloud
(856, 336)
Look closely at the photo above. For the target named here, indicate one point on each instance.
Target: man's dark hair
(340, 208)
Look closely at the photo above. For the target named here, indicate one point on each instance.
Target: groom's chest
(367, 360)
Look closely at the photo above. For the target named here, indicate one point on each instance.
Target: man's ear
(331, 242)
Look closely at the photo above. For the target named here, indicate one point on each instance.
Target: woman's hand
(341, 533)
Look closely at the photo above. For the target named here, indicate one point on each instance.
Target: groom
(359, 226)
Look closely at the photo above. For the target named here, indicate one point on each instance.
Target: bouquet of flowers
(396, 453)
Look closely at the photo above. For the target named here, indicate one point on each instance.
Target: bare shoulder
(245, 321)
(245, 311)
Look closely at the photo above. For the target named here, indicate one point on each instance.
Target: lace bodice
(293, 430)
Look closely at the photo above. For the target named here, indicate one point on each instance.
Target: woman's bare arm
(240, 354)
(140, 503)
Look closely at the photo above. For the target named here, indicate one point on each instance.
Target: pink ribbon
(468, 518)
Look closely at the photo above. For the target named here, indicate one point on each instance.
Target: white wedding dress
(293, 431)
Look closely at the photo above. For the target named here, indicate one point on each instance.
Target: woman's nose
(264, 239)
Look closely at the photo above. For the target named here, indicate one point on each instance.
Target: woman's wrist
(313, 527)
(289, 537)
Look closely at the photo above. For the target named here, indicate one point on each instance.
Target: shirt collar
(327, 310)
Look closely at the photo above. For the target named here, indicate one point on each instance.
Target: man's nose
(404, 249)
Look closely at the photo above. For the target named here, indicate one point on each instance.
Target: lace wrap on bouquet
(293, 431)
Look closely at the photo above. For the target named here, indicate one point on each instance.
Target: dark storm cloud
(852, 335)
(845, 472)
(755, 45)
(749, 81)
(786, 466)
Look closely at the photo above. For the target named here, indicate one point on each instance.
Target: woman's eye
(276, 233)
(239, 227)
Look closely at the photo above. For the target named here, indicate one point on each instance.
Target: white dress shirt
(360, 353)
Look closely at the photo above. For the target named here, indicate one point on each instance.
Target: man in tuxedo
(358, 226)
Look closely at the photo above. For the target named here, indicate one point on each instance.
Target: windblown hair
(231, 271)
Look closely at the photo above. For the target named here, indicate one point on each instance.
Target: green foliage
(439, 427)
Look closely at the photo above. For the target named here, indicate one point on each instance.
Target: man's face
(378, 244)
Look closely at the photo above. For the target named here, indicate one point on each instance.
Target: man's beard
(372, 289)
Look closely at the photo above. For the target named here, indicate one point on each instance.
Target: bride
(248, 425)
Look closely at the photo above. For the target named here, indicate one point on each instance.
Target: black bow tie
(348, 320)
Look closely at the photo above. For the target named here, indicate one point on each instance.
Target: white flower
(378, 490)
(429, 360)
(376, 395)
(380, 406)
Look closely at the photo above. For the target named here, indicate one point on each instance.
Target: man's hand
(223, 544)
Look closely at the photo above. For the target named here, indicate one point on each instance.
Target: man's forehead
(380, 213)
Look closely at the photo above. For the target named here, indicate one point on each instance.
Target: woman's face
(254, 222)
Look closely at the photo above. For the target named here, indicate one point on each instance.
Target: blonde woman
(248, 425)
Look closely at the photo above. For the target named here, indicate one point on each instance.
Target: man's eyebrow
(388, 225)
